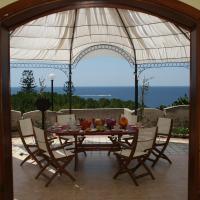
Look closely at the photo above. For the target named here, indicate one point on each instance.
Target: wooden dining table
(82, 147)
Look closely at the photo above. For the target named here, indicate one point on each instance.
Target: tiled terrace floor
(94, 179)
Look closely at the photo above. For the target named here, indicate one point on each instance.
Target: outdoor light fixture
(51, 77)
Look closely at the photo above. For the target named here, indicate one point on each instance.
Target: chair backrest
(26, 127)
(66, 119)
(146, 139)
(40, 139)
(132, 119)
(133, 145)
(43, 142)
(164, 126)
(26, 132)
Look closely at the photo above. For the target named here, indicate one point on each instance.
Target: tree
(144, 90)
(42, 85)
(66, 88)
(181, 101)
(27, 81)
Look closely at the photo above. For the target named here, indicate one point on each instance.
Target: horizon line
(117, 86)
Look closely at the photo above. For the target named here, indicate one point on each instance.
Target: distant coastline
(156, 95)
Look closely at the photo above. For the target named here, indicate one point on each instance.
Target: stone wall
(15, 116)
(150, 116)
(179, 114)
(114, 113)
(36, 116)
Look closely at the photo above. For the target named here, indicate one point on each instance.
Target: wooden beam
(23, 11)
(6, 177)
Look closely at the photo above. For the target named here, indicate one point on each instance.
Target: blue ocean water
(156, 95)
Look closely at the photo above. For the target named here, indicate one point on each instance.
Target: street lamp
(51, 78)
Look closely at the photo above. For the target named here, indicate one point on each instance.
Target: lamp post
(52, 77)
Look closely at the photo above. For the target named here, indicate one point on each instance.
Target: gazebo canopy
(62, 37)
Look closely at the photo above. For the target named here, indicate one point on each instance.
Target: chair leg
(60, 141)
(136, 167)
(109, 152)
(85, 153)
(51, 179)
(126, 170)
(117, 174)
(61, 168)
(160, 155)
(27, 158)
(80, 143)
(32, 156)
(132, 177)
(166, 158)
(40, 172)
(60, 171)
(64, 171)
(121, 166)
(148, 170)
(113, 142)
(37, 161)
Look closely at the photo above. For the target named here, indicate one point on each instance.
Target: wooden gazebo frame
(23, 11)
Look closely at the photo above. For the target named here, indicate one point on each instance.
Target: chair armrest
(61, 146)
(128, 137)
(52, 137)
(123, 144)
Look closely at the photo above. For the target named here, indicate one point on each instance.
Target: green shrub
(181, 131)
(181, 101)
(25, 102)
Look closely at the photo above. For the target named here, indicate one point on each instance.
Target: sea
(154, 97)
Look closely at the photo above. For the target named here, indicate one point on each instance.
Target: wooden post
(194, 147)
(136, 88)
(6, 172)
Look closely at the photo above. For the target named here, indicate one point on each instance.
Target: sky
(108, 71)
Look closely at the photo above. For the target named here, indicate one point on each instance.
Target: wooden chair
(69, 119)
(139, 150)
(164, 134)
(132, 120)
(66, 119)
(58, 157)
(26, 132)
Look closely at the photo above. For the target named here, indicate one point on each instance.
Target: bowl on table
(85, 124)
(110, 123)
(123, 122)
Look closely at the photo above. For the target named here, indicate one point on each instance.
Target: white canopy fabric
(145, 38)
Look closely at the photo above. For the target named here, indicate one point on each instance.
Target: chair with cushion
(26, 133)
(132, 121)
(138, 150)
(68, 119)
(57, 158)
(163, 137)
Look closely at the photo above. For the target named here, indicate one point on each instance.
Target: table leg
(76, 153)
(119, 140)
